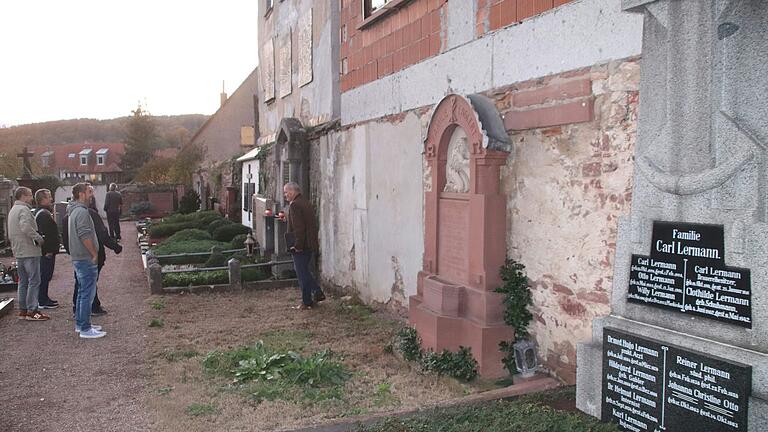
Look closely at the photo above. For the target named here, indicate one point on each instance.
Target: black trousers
(113, 220)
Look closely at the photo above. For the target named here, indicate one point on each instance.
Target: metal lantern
(526, 358)
(250, 242)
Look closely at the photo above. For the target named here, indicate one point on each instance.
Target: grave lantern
(250, 244)
(526, 359)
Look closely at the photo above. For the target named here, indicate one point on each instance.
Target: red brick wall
(389, 43)
(545, 102)
(495, 14)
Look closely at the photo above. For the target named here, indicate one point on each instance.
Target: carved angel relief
(457, 169)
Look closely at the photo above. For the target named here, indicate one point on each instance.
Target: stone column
(235, 277)
(700, 162)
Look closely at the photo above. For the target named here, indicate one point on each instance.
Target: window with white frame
(83, 160)
(371, 6)
(99, 160)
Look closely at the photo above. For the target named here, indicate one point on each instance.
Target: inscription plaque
(686, 272)
(268, 70)
(305, 49)
(652, 386)
(284, 84)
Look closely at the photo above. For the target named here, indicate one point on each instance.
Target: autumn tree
(141, 140)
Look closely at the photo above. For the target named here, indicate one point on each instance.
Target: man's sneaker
(319, 296)
(98, 312)
(22, 314)
(48, 306)
(36, 316)
(93, 326)
(92, 333)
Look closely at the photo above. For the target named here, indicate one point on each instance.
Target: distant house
(94, 162)
(226, 135)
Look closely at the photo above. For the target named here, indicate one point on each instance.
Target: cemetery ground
(173, 363)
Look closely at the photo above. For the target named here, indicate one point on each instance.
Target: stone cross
(26, 155)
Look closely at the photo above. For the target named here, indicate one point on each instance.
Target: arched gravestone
(685, 347)
(291, 165)
(465, 233)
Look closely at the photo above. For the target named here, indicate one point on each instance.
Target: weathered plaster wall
(318, 99)
(371, 229)
(567, 186)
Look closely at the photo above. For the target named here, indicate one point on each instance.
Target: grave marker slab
(653, 386)
(686, 272)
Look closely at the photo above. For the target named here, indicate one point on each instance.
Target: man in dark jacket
(47, 227)
(104, 241)
(301, 240)
(113, 205)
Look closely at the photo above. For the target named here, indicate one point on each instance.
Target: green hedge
(218, 277)
(169, 229)
(239, 241)
(187, 235)
(179, 222)
(228, 232)
(218, 223)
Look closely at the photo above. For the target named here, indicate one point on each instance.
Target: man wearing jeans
(50, 247)
(83, 248)
(301, 239)
(25, 243)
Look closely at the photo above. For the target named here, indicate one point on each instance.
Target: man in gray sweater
(25, 243)
(83, 248)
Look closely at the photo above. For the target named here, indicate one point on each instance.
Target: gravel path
(51, 380)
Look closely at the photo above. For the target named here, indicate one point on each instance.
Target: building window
(99, 160)
(371, 6)
(83, 160)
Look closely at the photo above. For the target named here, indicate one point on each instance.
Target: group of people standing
(36, 240)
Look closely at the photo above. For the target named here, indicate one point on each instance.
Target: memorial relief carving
(457, 172)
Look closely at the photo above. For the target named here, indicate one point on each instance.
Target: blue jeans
(86, 272)
(47, 264)
(29, 282)
(307, 282)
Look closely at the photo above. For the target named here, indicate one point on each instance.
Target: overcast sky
(99, 58)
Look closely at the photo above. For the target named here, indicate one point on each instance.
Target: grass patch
(156, 323)
(162, 391)
(158, 304)
(286, 340)
(198, 410)
(175, 355)
(497, 416)
(266, 373)
(383, 396)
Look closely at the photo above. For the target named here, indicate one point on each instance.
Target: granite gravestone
(692, 256)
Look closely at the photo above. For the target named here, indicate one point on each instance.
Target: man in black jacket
(113, 205)
(104, 241)
(47, 227)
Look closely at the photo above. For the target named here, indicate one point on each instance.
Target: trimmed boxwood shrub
(239, 241)
(218, 223)
(169, 229)
(189, 246)
(217, 258)
(228, 232)
(253, 274)
(187, 235)
(218, 277)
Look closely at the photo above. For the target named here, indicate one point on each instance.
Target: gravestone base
(589, 370)
(439, 332)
